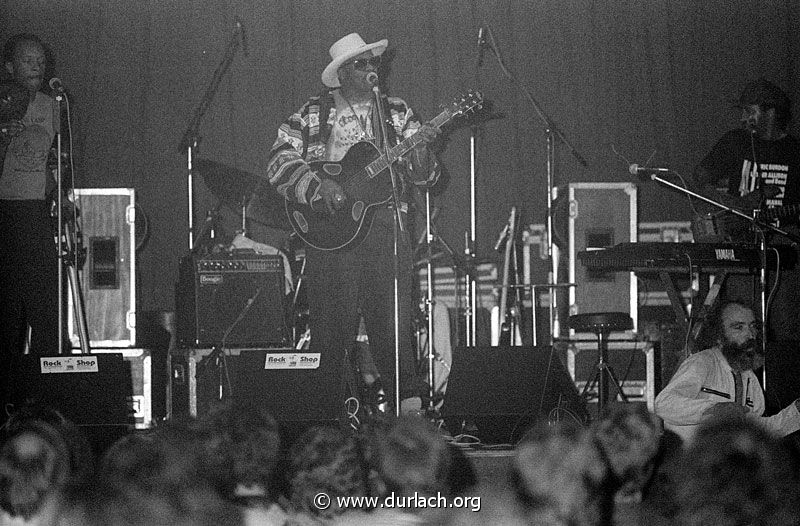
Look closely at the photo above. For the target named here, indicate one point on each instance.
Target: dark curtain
(626, 81)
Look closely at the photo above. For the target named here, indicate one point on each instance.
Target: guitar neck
(379, 164)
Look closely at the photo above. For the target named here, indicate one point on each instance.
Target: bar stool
(602, 323)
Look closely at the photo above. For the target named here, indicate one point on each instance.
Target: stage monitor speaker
(296, 396)
(496, 393)
(88, 389)
(231, 300)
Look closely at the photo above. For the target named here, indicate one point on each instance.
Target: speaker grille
(231, 301)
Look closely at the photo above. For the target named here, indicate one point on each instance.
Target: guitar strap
(324, 106)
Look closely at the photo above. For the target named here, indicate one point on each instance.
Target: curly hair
(10, 47)
(242, 437)
(34, 462)
(735, 472)
(628, 435)
(561, 478)
(325, 459)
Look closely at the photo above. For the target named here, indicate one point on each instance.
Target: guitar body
(365, 193)
(364, 176)
(721, 227)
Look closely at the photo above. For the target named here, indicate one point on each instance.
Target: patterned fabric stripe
(276, 169)
(301, 189)
(301, 138)
(295, 169)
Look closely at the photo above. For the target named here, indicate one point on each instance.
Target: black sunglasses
(361, 64)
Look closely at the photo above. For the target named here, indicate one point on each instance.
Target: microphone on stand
(503, 236)
(372, 78)
(56, 85)
(242, 36)
(643, 171)
(481, 45)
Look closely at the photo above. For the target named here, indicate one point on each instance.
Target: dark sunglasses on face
(361, 64)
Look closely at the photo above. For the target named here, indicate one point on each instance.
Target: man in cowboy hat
(344, 286)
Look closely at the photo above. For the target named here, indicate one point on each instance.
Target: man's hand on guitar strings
(332, 194)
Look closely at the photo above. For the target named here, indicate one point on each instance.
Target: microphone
(243, 36)
(56, 84)
(372, 78)
(481, 45)
(501, 238)
(635, 169)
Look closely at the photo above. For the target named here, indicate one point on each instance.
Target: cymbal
(234, 187)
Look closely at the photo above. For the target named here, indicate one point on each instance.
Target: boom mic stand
(190, 139)
(399, 227)
(758, 226)
(552, 132)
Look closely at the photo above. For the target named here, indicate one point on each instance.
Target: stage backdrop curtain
(626, 81)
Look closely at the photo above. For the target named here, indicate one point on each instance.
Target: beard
(743, 356)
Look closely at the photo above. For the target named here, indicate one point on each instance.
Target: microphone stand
(470, 247)
(69, 237)
(552, 133)
(399, 228)
(60, 223)
(758, 226)
(190, 139)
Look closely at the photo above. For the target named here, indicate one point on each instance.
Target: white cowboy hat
(343, 50)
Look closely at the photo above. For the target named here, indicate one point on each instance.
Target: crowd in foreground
(230, 467)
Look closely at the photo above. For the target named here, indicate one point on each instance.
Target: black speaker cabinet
(496, 393)
(231, 300)
(298, 388)
(88, 389)
(782, 370)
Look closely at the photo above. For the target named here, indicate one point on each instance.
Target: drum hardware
(190, 140)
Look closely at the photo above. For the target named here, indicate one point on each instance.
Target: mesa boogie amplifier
(231, 300)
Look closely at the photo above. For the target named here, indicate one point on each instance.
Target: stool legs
(606, 373)
(604, 376)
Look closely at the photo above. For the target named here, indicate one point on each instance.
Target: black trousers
(28, 278)
(344, 285)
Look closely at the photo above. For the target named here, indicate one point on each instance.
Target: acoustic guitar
(364, 176)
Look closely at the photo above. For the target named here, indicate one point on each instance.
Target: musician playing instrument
(28, 259)
(357, 280)
(757, 166)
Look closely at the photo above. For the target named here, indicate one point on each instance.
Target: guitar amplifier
(231, 300)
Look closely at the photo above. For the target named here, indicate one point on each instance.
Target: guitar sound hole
(357, 210)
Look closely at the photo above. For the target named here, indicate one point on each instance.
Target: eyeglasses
(361, 64)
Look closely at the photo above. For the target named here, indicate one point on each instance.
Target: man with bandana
(719, 381)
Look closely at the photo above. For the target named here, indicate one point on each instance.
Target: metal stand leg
(605, 373)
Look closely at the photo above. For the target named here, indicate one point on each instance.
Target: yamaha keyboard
(710, 257)
(703, 259)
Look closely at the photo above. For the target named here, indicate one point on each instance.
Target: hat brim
(330, 75)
